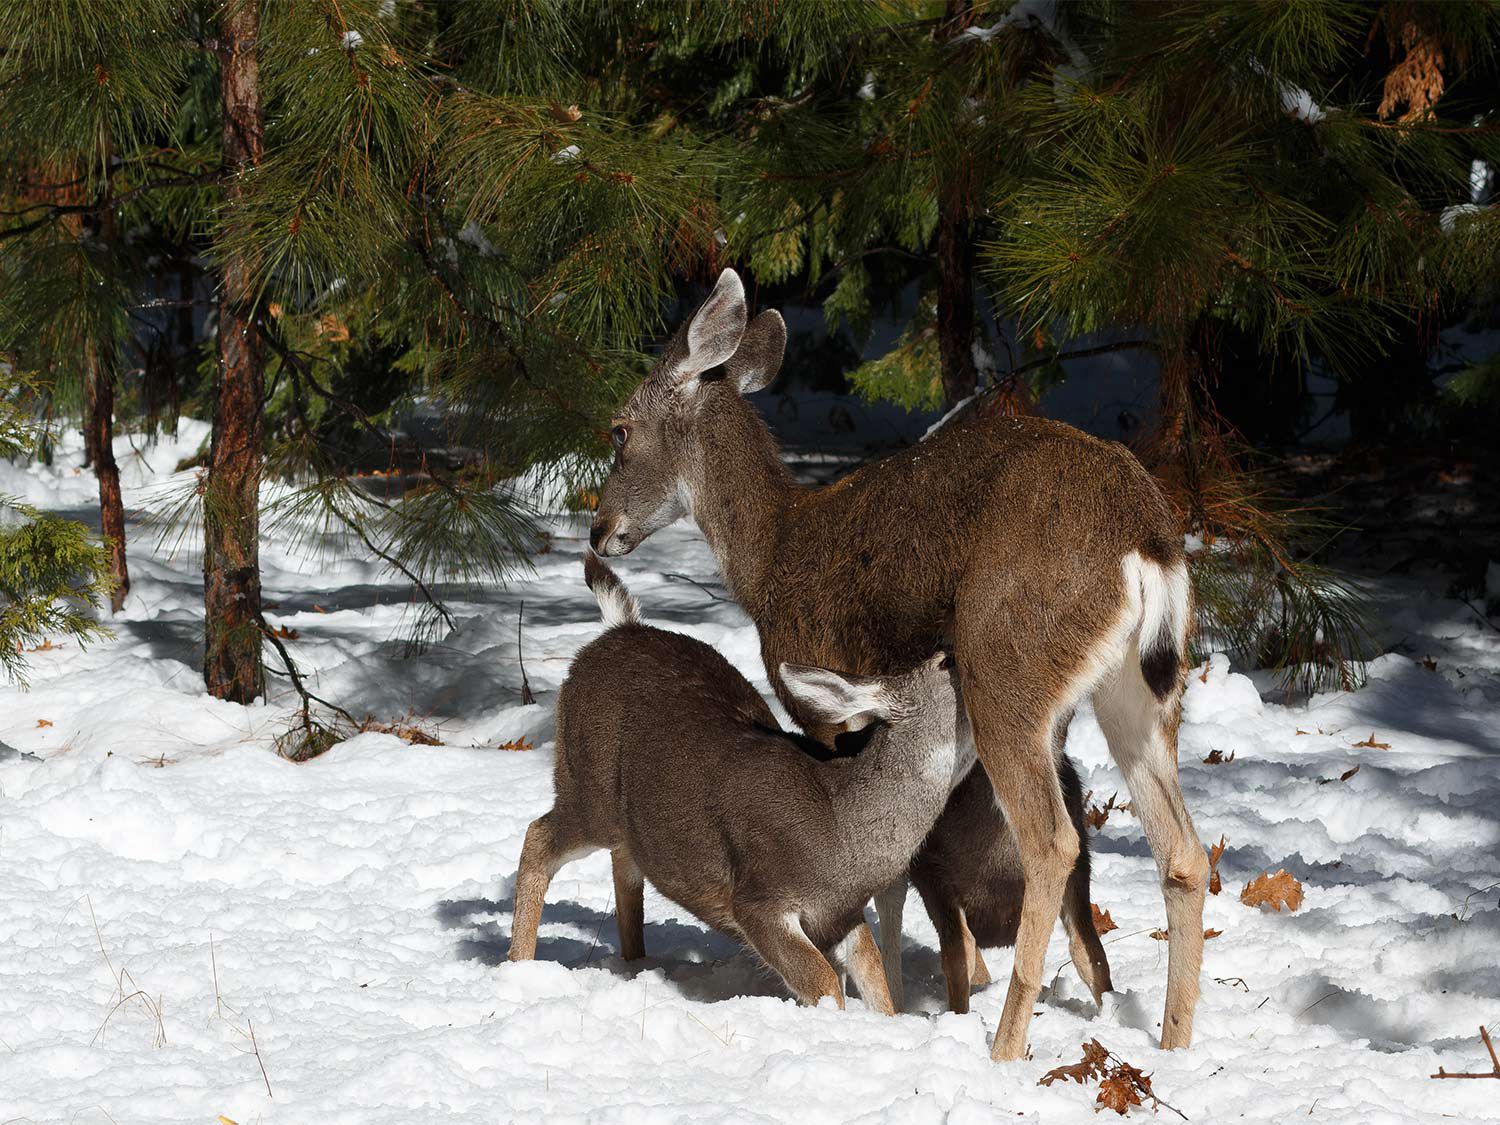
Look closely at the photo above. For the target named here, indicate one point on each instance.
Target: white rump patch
(1165, 597)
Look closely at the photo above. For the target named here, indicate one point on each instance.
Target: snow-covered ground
(169, 886)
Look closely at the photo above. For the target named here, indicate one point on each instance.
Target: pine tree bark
(99, 428)
(955, 256)
(955, 302)
(232, 666)
(99, 373)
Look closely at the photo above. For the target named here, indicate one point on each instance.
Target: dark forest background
(440, 238)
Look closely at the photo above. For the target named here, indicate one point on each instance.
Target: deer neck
(739, 497)
(895, 791)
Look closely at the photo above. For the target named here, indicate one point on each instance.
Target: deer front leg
(955, 952)
(630, 886)
(979, 972)
(541, 856)
(862, 956)
(1087, 950)
(890, 905)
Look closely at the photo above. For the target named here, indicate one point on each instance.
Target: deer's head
(922, 708)
(657, 436)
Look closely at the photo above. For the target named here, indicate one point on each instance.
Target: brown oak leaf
(1103, 923)
(1118, 1093)
(1079, 1072)
(1217, 758)
(1371, 744)
(1215, 853)
(1275, 891)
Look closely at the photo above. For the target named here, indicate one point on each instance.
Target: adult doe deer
(1050, 558)
(727, 814)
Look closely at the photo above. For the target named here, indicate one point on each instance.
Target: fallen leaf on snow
(1345, 776)
(1215, 853)
(1217, 758)
(1371, 744)
(1103, 923)
(517, 744)
(1118, 1093)
(1275, 891)
(43, 723)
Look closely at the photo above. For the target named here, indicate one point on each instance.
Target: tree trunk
(955, 303)
(99, 372)
(99, 428)
(232, 667)
(955, 256)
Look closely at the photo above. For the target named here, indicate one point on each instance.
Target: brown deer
(1051, 559)
(970, 877)
(727, 814)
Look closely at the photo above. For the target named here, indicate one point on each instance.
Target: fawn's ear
(829, 699)
(714, 332)
(757, 361)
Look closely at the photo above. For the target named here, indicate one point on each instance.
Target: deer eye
(619, 436)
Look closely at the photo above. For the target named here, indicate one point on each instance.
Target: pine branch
(55, 211)
(421, 586)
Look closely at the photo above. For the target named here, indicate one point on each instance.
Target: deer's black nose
(596, 536)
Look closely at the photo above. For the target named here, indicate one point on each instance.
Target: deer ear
(757, 361)
(829, 699)
(716, 328)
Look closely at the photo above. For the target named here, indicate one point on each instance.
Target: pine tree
(231, 488)
(50, 572)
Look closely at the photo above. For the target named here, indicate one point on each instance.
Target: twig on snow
(256, 1048)
(1488, 1046)
(695, 582)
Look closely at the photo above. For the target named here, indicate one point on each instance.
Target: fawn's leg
(890, 904)
(1083, 937)
(630, 886)
(979, 972)
(863, 959)
(954, 951)
(781, 942)
(542, 854)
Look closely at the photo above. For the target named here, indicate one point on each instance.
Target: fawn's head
(921, 708)
(656, 433)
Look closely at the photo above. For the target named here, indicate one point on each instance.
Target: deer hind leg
(1013, 733)
(630, 887)
(862, 956)
(890, 905)
(979, 972)
(548, 846)
(781, 942)
(1142, 736)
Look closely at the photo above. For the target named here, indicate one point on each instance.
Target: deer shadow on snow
(702, 964)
